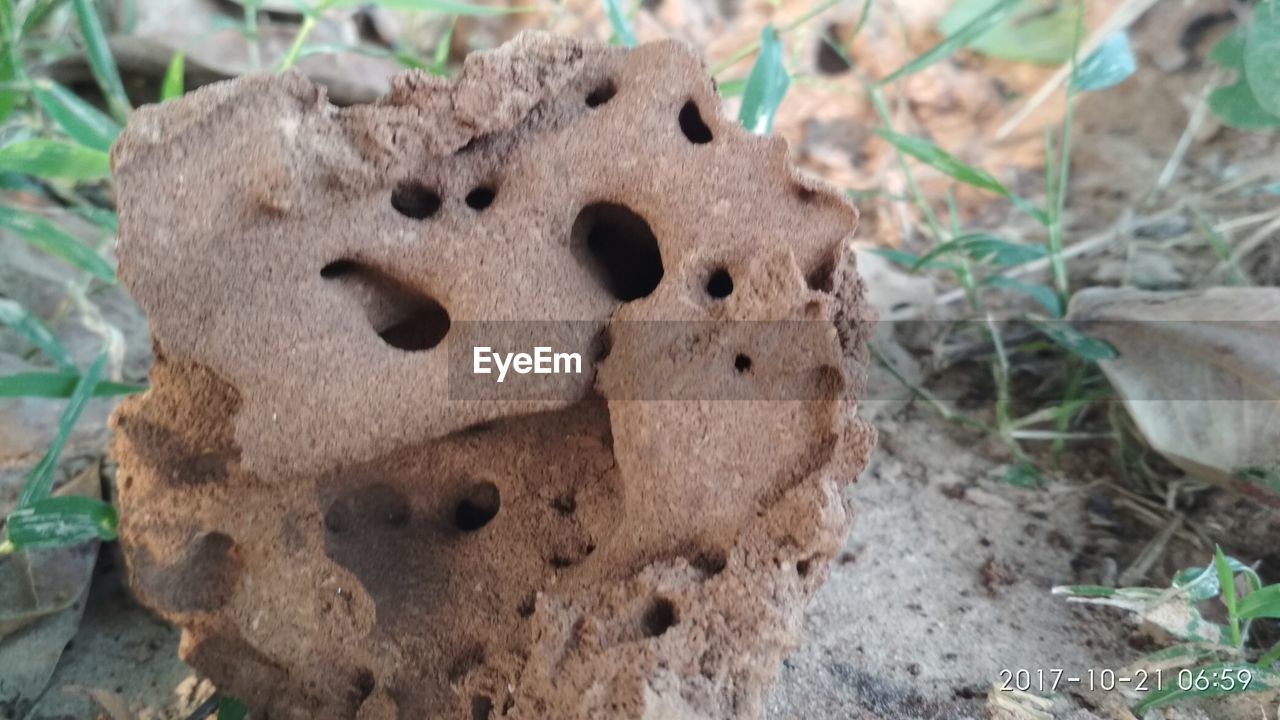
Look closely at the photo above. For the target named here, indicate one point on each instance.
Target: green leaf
(58, 385)
(55, 241)
(982, 247)
(944, 162)
(38, 12)
(732, 88)
(1085, 591)
(40, 481)
(1227, 583)
(1024, 475)
(963, 36)
(449, 7)
(1111, 64)
(1216, 679)
(55, 159)
(1262, 55)
(1236, 104)
(766, 85)
(34, 331)
(1035, 32)
(440, 59)
(83, 122)
(100, 60)
(618, 20)
(1047, 298)
(1199, 584)
(231, 709)
(1263, 603)
(173, 77)
(1076, 342)
(911, 260)
(61, 521)
(102, 217)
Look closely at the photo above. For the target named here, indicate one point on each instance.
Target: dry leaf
(1198, 372)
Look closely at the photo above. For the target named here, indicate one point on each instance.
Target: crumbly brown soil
(339, 536)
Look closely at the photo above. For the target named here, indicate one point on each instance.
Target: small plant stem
(946, 412)
(308, 24)
(917, 196)
(251, 34)
(746, 51)
(1271, 658)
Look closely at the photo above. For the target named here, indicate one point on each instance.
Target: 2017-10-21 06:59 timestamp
(1222, 679)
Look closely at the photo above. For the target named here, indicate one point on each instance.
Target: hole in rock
(620, 247)
(692, 126)
(603, 93)
(823, 277)
(481, 707)
(565, 504)
(479, 507)
(720, 284)
(659, 618)
(711, 563)
(415, 200)
(803, 567)
(404, 317)
(742, 363)
(481, 198)
(363, 685)
(806, 195)
(528, 605)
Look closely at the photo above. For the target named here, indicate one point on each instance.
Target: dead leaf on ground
(1198, 373)
(42, 598)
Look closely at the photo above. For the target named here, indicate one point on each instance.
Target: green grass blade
(61, 521)
(1262, 55)
(38, 13)
(55, 159)
(55, 241)
(1271, 658)
(766, 85)
(983, 247)
(971, 31)
(9, 64)
(100, 60)
(449, 7)
(83, 122)
(58, 385)
(1111, 64)
(440, 59)
(1076, 342)
(1040, 293)
(1227, 582)
(173, 77)
(102, 217)
(34, 331)
(40, 482)
(618, 21)
(1263, 603)
(944, 162)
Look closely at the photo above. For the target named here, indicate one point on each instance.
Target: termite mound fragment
(314, 488)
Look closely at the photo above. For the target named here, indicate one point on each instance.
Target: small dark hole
(481, 708)
(659, 618)
(806, 195)
(742, 363)
(481, 198)
(602, 94)
(561, 562)
(363, 684)
(711, 563)
(477, 508)
(621, 248)
(823, 277)
(803, 567)
(565, 504)
(692, 126)
(528, 605)
(413, 199)
(720, 284)
(338, 269)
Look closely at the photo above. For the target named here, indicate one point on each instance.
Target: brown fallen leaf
(1199, 372)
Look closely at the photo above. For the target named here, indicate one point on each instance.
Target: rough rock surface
(340, 536)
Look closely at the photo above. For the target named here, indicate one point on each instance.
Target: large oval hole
(403, 317)
(621, 249)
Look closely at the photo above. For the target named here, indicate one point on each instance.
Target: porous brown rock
(343, 533)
